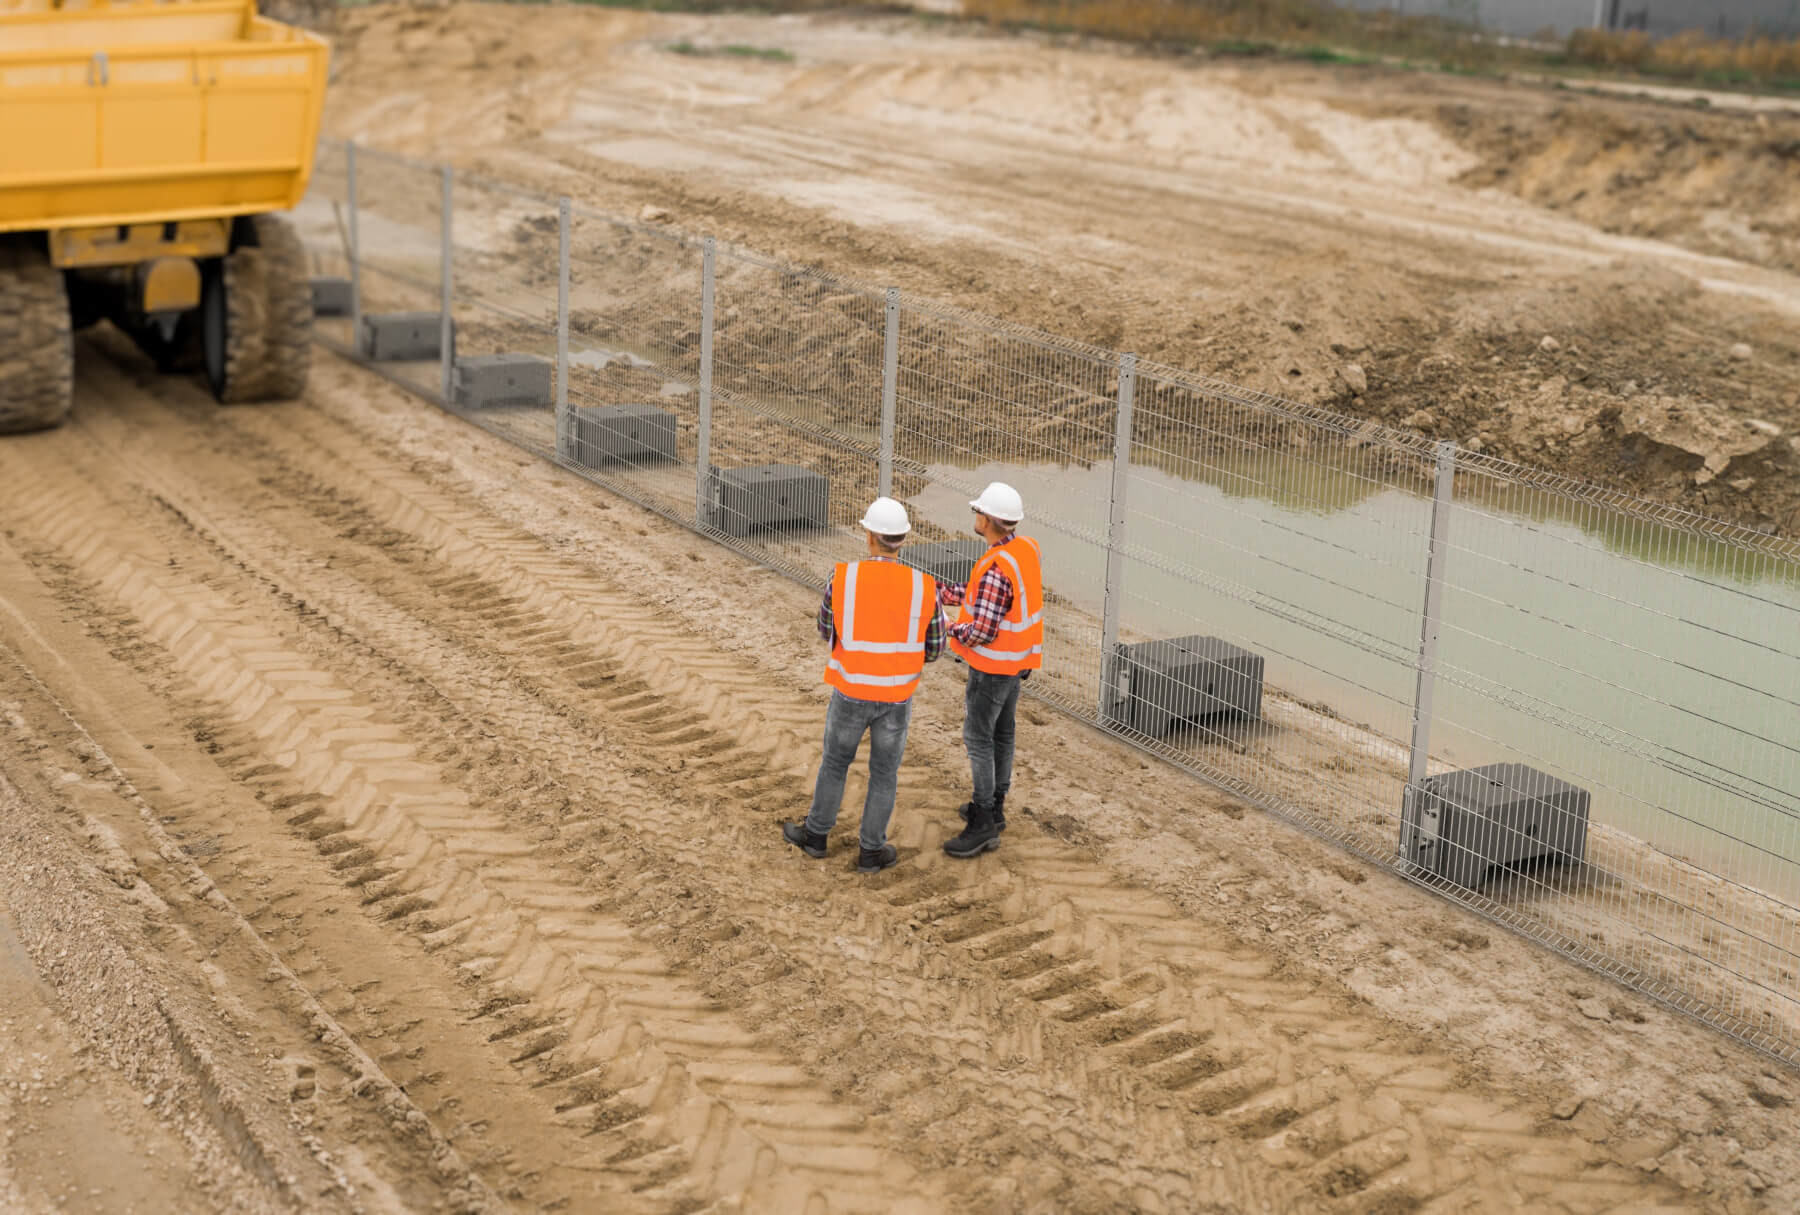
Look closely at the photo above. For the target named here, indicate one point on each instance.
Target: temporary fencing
(1573, 712)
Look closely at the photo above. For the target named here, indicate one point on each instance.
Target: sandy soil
(1266, 223)
(444, 790)
(387, 823)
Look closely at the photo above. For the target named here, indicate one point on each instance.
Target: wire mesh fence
(1573, 712)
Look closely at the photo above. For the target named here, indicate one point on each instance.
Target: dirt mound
(1724, 184)
(1566, 373)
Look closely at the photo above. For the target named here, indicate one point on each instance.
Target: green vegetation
(773, 54)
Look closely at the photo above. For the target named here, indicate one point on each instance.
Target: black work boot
(808, 842)
(963, 810)
(875, 861)
(980, 834)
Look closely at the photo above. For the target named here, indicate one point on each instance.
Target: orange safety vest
(1019, 645)
(880, 610)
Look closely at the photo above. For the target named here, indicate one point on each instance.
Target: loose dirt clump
(1726, 184)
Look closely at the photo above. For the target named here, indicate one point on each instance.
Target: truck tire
(37, 341)
(256, 315)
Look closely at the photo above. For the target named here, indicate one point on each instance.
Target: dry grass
(1191, 23)
(1692, 56)
(1318, 29)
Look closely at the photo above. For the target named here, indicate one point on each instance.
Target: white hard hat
(886, 517)
(1000, 501)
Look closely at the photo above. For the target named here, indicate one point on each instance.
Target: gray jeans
(846, 721)
(989, 708)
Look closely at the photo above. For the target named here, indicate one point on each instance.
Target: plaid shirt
(934, 632)
(993, 600)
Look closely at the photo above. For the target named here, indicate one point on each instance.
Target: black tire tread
(37, 340)
(269, 316)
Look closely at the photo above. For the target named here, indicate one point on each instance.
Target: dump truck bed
(153, 112)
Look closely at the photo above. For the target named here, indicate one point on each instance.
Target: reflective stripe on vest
(1020, 601)
(871, 681)
(1018, 644)
(879, 652)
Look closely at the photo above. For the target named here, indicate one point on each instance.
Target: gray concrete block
(747, 500)
(332, 297)
(945, 560)
(1470, 824)
(1185, 679)
(618, 434)
(502, 379)
(389, 337)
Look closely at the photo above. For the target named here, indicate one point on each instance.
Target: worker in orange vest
(999, 633)
(884, 624)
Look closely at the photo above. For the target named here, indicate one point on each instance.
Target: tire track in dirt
(1169, 1025)
(528, 723)
(188, 915)
(1264, 1060)
(563, 977)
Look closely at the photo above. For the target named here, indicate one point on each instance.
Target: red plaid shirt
(993, 600)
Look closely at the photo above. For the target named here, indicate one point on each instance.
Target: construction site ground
(390, 818)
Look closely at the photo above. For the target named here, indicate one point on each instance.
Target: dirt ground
(1267, 223)
(388, 818)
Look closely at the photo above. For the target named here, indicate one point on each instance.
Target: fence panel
(634, 360)
(1300, 544)
(979, 401)
(327, 226)
(1657, 668)
(504, 275)
(400, 224)
(1206, 548)
(796, 381)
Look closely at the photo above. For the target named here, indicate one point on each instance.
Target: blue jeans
(990, 707)
(846, 721)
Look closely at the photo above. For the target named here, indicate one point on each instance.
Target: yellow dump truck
(143, 147)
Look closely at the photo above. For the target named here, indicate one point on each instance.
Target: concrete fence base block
(332, 297)
(1476, 822)
(393, 337)
(502, 379)
(618, 434)
(1185, 679)
(945, 560)
(764, 496)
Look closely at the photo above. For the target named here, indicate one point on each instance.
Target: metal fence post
(1115, 539)
(703, 448)
(355, 249)
(890, 391)
(562, 325)
(446, 327)
(1418, 821)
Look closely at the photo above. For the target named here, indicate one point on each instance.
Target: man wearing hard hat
(884, 624)
(999, 632)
